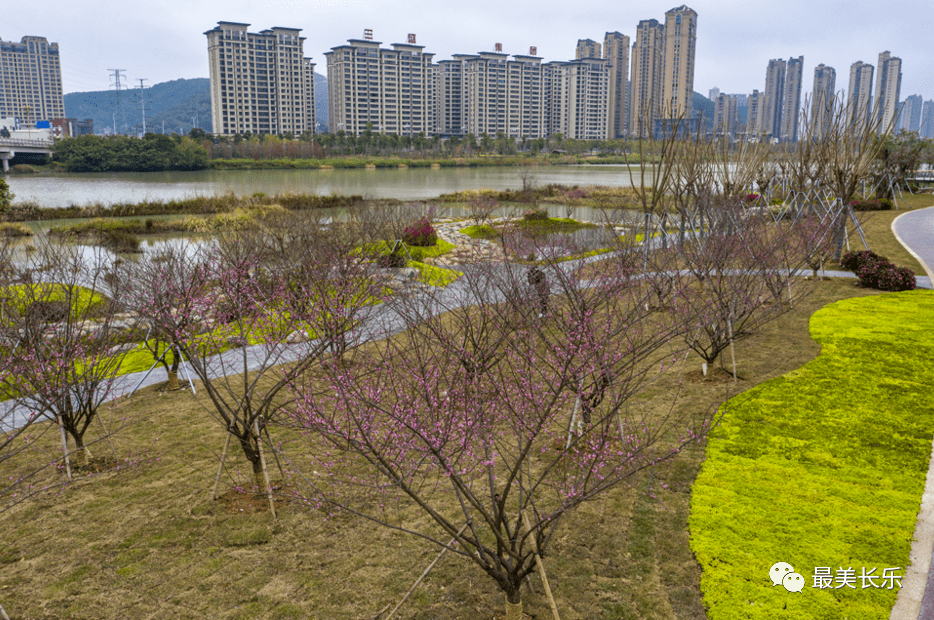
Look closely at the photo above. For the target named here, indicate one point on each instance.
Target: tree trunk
(514, 609)
(82, 454)
(258, 477)
(173, 381)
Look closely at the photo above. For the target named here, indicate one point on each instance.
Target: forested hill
(178, 104)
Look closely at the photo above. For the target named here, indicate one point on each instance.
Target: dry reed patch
(148, 542)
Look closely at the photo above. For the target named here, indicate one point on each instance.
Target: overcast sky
(162, 41)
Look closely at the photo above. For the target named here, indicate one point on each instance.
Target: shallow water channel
(62, 190)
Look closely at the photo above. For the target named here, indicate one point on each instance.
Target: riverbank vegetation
(154, 152)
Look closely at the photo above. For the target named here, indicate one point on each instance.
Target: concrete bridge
(9, 148)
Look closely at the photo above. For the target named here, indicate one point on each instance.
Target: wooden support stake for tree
(577, 405)
(541, 568)
(729, 325)
(275, 453)
(424, 574)
(61, 428)
(3, 613)
(262, 460)
(220, 468)
(113, 450)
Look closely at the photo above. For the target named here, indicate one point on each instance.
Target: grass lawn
(822, 467)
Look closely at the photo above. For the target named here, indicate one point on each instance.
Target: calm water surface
(63, 190)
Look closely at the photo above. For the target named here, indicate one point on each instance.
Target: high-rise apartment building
(587, 48)
(713, 93)
(859, 94)
(771, 116)
(645, 87)
(490, 93)
(260, 83)
(911, 113)
(678, 77)
(888, 89)
(576, 95)
(616, 53)
(927, 119)
(822, 100)
(726, 117)
(755, 113)
(388, 91)
(449, 97)
(30, 80)
(791, 107)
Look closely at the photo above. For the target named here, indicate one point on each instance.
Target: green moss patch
(822, 467)
(435, 276)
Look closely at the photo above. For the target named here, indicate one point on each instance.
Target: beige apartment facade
(387, 91)
(679, 53)
(754, 114)
(791, 105)
(645, 88)
(616, 53)
(770, 119)
(726, 115)
(586, 48)
(888, 90)
(859, 93)
(577, 94)
(823, 99)
(31, 80)
(261, 83)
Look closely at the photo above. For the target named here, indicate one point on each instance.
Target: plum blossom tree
(251, 316)
(65, 341)
(464, 415)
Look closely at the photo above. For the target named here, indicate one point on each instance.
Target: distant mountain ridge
(180, 104)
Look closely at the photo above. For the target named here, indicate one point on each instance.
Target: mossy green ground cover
(822, 467)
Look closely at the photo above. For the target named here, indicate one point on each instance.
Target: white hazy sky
(164, 40)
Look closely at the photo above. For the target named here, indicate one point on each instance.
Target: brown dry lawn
(148, 542)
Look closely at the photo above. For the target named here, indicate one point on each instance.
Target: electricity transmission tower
(118, 99)
(142, 102)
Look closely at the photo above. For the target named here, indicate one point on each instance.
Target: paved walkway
(915, 231)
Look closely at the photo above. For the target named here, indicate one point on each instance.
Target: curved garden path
(915, 231)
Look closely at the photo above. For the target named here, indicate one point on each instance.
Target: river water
(62, 190)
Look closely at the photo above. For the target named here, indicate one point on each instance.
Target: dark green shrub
(119, 241)
(392, 261)
(534, 215)
(884, 276)
(872, 204)
(854, 261)
(6, 198)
